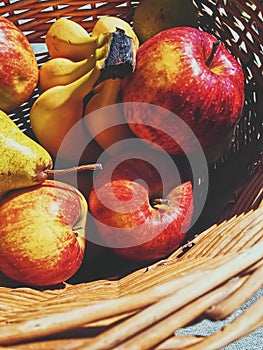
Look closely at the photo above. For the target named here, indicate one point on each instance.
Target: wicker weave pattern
(93, 314)
(35, 17)
(240, 27)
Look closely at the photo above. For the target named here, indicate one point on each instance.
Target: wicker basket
(211, 276)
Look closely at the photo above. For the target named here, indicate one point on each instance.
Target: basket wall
(234, 203)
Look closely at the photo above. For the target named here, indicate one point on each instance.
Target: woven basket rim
(236, 232)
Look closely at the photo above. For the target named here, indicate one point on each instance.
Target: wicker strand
(251, 319)
(232, 303)
(228, 235)
(169, 304)
(178, 342)
(166, 327)
(62, 321)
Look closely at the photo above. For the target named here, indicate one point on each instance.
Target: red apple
(42, 233)
(133, 214)
(194, 78)
(18, 66)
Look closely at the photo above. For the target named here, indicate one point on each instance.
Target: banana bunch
(82, 65)
(68, 39)
(63, 71)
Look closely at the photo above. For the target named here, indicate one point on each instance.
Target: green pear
(154, 16)
(23, 161)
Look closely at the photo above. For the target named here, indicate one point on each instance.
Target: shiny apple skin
(172, 72)
(18, 66)
(128, 221)
(42, 233)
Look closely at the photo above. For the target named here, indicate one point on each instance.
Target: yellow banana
(57, 110)
(60, 107)
(109, 24)
(106, 126)
(63, 71)
(68, 39)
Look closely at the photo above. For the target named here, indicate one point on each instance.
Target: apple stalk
(158, 203)
(213, 53)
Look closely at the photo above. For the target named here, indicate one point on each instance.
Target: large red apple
(42, 233)
(134, 214)
(193, 77)
(18, 66)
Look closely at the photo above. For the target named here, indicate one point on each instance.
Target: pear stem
(213, 53)
(53, 172)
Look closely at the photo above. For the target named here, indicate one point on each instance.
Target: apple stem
(213, 52)
(160, 201)
(52, 172)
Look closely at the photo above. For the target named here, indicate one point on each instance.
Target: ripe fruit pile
(140, 207)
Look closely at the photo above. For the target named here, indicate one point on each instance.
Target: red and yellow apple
(135, 216)
(192, 76)
(42, 233)
(18, 66)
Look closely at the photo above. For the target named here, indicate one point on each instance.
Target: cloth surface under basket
(254, 341)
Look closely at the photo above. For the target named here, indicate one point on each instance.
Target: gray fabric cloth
(254, 341)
